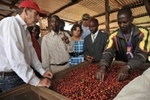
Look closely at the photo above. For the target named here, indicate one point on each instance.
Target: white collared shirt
(16, 50)
(94, 35)
(54, 50)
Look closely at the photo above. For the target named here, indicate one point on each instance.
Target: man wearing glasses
(85, 25)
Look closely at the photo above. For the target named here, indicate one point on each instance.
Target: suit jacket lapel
(90, 39)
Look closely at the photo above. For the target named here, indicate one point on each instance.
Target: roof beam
(138, 16)
(110, 28)
(142, 23)
(147, 26)
(7, 4)
(133, 5)
(136, 23)
(64, 7)
(68, 21)
(117, 4)
(10, 14)
(2, 15)
(13, 3)
(102, 14)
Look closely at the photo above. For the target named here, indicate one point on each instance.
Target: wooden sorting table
(28, 92)
(61, 74)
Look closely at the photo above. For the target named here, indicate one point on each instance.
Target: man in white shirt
(16, 51)
(56, 46)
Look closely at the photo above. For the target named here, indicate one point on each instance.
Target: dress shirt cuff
(42, 71)
(34, 81)
(69, 44)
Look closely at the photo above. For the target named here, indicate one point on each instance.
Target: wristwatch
(130, 68)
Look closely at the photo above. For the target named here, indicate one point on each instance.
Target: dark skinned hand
(65, 39)
(123, 73)
(100, 74)
(89, 58)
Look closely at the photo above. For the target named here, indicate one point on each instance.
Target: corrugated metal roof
(72, 12)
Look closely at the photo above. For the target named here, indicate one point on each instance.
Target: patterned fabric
(116, 42)
(78, 48)
(129, 50)
(129, 45)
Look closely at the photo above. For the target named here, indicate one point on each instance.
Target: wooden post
(44, 26)
(107, 9)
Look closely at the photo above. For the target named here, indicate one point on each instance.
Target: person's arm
(14, 48)
(141, 51)
(45, 54)
(136, 89)
(107, 58)
(99, 55)
(36, 64)
(109, 52)
(85, 49)
(147, 6)
(70, 44)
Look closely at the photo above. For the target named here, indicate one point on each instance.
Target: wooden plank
(30, 95)
(48, 94)
(131, 6)
(64, 7)
(2, 15)
(107, 15)
(137, 16)
(14, 92)
(7, 4)
(117, 4)
(28, 92)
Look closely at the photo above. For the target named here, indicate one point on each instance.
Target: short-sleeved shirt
(78, 48)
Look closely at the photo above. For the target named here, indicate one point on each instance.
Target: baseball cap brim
(33, 5)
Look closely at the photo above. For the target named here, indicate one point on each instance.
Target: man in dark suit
(94, 43)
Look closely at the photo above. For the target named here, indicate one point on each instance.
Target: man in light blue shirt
(85, 25)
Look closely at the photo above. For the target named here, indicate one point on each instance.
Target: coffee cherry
(81, 84)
